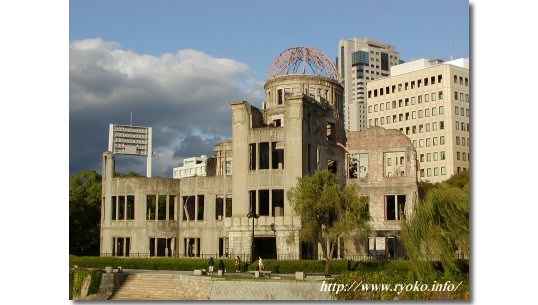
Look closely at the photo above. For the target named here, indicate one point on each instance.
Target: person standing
(260, 264)
(238, 264)
(211, 265)
(221, 266)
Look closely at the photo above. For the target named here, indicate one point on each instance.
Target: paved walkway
(231, 286)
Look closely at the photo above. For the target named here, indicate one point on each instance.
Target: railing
(246, 257)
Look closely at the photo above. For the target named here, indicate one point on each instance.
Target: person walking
(211, 265)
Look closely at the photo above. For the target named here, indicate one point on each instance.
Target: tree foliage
(439, 229)
(328, 211)
(84, 213)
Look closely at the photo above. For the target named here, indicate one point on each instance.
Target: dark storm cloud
(184, 97)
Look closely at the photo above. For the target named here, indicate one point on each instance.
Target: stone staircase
(163, 286)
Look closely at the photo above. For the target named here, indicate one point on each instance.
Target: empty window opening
(395, 207)
(161, 211)
(114, 207)
(228, 207)
(277, 156)
(277, 122)
(264, 155)
(278, 202)
(398, 168)
(200, 207)
(188, 207)
(121, 207)
(160, 247)
(279, 101)
(332, 166)
(130, 207)
(264, 202)
(223, 247)
(265, 247)
(191, 247)
(121, 246)
(330, 131)
(219, 208)
(252, 155)
(151, 201)
(252, 201)
(171, 207)
(358, 166)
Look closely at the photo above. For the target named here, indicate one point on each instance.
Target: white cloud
(174, 93)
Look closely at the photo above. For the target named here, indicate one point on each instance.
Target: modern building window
(441, 110)
(436, 171)
(456, 110)
(434, 141)
(442, 140)
(414, 115)
(456, 96)
(441, 125)
(427, 127)
(443, 170)
(462, 141)
(421, 172)
(457, 125)
(421, 157)
(429, 171)
(433, 80)
(426, 98)
(420, 113)
(457, 140)
(461, 96)
(435, 156)
(413, 102)
(434, 97)
(434, 126)
(428, 142)
(434, 111)
(421, 143)
(427, 112)
(442, 155)
(419, 99)
(429, 157)
(440, 78)
(458, 155)
(440, 95)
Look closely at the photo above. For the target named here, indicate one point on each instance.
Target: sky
(176, 65)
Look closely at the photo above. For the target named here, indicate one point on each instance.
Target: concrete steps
(152, 286)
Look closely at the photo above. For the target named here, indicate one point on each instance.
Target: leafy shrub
(79, 274)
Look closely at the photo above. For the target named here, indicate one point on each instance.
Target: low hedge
(337, 266)
(276, 266)
(165, 263)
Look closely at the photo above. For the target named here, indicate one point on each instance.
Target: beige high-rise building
(359, 61)
(428, 101)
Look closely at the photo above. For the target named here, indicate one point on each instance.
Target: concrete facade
(429, 102)
(298, 131)
(383, 164)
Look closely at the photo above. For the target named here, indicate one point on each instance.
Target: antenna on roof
(450, 49)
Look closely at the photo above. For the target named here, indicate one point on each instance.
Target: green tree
(439, 229)
(84, 213)
(328, 211)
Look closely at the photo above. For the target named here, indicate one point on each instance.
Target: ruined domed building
(298, 131)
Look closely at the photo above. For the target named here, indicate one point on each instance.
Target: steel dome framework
(303, 60)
